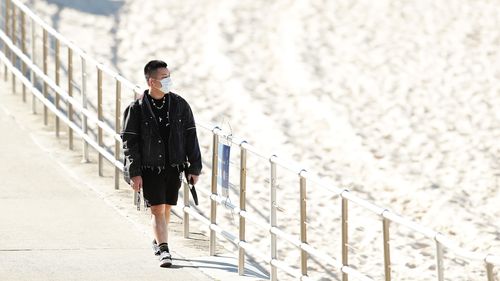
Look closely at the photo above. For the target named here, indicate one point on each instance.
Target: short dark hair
(152, 66)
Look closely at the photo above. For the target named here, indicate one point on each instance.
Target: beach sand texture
(399, 101)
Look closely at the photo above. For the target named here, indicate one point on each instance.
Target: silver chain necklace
(162, 104)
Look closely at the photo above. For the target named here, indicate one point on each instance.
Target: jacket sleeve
(192, 146)
(131, 139)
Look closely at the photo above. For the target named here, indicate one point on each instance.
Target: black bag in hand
(191, 188)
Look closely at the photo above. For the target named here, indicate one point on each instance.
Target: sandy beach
(399, 101)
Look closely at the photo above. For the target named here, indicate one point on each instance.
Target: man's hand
(193, 179)
(136, 183)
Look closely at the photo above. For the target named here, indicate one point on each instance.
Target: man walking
(159, 143)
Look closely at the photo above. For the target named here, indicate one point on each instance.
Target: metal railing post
(213, 203)
(7, 19)
(99, 117)
(85, 150)
(23, 48)
(303, 223)
(345, 237)
(273, 219)
(185, 217)
(489, 271)
(45, 70)
(12, 28)
(243, 203)
(70, 93)
(6, 24)
(387, 248)
(33, 58)
(58, 78)
(13, 54)
(136, 203)
(118, 99)
(439, 259)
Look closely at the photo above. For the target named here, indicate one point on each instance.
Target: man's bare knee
(167, 209)
(158, 210)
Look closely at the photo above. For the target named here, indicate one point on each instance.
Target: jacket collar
(145, 100)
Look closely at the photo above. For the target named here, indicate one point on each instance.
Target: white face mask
(166, 85)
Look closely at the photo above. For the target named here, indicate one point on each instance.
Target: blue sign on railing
(223, 175)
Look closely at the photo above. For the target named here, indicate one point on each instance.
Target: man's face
(154, 80)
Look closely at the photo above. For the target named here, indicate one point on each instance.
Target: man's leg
(167, 216)
(159, 223)
(160, 229)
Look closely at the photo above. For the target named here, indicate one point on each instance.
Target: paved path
(60, 221)
(53, 229)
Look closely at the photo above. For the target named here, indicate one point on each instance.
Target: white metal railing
(14, 16)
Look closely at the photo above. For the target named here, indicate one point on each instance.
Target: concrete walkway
(53, 229)
(59, 220)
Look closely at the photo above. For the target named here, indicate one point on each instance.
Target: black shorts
(163, 187)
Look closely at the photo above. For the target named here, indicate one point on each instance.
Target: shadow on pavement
(207, 263)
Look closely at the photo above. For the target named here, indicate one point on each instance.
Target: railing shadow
(221, 263)
(96, 7)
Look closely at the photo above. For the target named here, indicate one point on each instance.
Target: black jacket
(142, 144)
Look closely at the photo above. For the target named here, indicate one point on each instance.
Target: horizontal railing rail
(21, 63)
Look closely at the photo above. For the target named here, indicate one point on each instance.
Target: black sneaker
(156, 248)
(165, 259)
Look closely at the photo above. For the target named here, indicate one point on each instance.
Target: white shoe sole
(166, 263)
